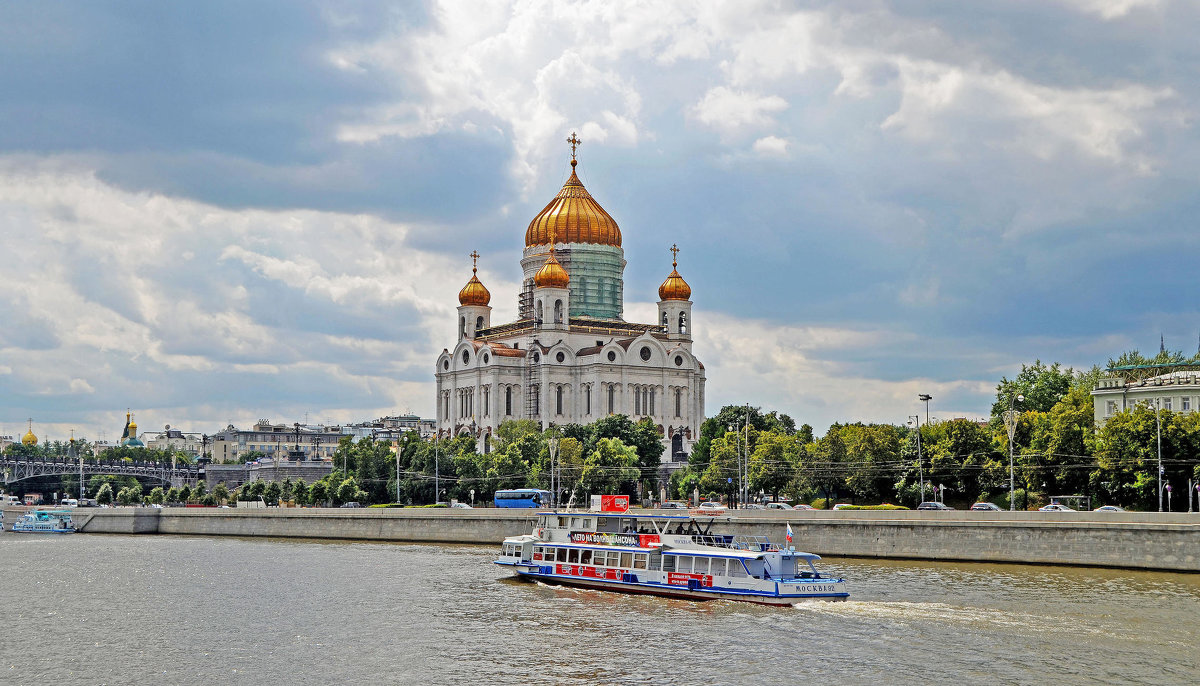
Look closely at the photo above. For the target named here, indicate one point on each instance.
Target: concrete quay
(1135, 540)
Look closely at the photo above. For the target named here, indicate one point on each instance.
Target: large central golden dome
(575, 217)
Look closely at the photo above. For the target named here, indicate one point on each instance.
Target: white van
(9, 501)
(70, 502)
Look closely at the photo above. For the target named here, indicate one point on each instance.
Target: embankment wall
(1132, 540)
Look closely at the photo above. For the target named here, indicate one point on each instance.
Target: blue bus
(522, 497)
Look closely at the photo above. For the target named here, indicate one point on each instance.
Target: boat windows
(685, 564)
(639, 560)
(668, 563)
(585, 557)
(736, 568)
(627, 560)
(700, 565)
(599, 558)
(573, 556)
(562, 554)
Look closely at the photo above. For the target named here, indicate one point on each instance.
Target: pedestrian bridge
(19, 468)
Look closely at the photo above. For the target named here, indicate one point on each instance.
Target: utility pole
(916, 419)
(1010, 422)
(1158, 426)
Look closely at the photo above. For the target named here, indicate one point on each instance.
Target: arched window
(676, 447)
(664, 319)
(539, 312)
(487, 395)
(478, 324)
(637, 402)
(558, 399)
(683, 322)
(587, 394)
(678, 402)
(487, 443)
(508, 400)
(533, 394)
(651, 412)
(612, 397)
(462, 327)
(558, 313)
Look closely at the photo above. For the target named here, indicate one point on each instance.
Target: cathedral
(570, 357)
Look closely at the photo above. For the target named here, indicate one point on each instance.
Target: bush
(885, 506)
(820, 504)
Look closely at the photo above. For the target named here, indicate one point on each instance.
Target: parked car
(779, 506)
(802, 506)
(710, 506)
(842, 506)
(352, 503)
(461, 506)
(673, 505)
(1055, 507)
(1109, 508)
(753, 506)
(933, 505)
(985, 507)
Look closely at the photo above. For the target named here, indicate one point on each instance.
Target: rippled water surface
(192, 610)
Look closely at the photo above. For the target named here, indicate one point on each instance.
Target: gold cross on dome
(474, 261)
(674, 255)
(575, 142)
(553, 236)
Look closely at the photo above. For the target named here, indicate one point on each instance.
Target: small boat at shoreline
(44, 522)
(667, 555)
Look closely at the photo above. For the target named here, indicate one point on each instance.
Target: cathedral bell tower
(674, 303)
(473, 310)
(552, 294)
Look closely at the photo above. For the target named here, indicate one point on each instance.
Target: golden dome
(474, 293)
(575, 216)
(29, 438)
(674, 288)
(551, 275)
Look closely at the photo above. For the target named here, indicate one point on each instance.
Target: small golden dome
(551, 275)
(575, 216)
(474, 293)
(29, 438)
(674, 288)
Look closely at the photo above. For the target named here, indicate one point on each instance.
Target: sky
(218, 212)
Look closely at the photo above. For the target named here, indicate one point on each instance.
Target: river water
(194, 610)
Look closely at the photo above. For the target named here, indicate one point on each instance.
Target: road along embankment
(1131, 540)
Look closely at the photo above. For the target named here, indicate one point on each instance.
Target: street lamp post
(925, 397)
(916, 418)
(1158, 427)
(1011, 416)
(1168, 497)
(553, 472)
(436, 483)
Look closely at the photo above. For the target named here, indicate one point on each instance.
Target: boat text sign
(605, 538)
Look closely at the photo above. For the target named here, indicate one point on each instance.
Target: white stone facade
(1178, 392)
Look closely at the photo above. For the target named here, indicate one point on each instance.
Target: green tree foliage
(872, 464)
(104, 494)
(318, 493)
(721, 475)
(823, 466)
(1042, 387)
(299, 492)
(774, 462)
(272, 492)
(610, 468)
(157, 495)
(349, 491)
(221, 493)
(957, 452)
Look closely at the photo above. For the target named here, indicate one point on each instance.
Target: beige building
(1178, 391)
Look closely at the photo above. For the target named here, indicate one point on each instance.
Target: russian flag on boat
(789, 533)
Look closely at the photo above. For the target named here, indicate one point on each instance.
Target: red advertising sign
(589, 572)
(679, 579)
(614, 503)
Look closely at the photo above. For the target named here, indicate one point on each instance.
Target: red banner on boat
(606, 538)
(680, 579)
(588, 572)
(614, 503)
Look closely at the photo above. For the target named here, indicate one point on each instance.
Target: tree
(104, 494)
(721, 474)
(349, 491)
(1042, 387)
(172, 495)
(157, 495)
(300, 492)
(198, 492)
(773, 462)
(185, 494)
(221, 493)
(872, 459)
(318, 493)
(611, 468)
(822, 465)
(957, 452)
(272, 492)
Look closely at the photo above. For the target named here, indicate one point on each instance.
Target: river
(110, 609)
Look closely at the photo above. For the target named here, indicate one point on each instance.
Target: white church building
(570, 357)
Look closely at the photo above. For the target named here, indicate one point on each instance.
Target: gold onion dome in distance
(29, 438)
(674, 288)
(551, 275)
(575, 217)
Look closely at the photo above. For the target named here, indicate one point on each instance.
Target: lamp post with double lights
(553, 471)
(926, 398)
(1011, 415)
(916, 419)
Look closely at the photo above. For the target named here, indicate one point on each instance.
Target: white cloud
(771, 146)
(1111, 9)
(729, 111)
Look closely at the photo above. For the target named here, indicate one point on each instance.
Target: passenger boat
(668, 555)
(44, 522)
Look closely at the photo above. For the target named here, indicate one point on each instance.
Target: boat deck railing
(751, 543)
